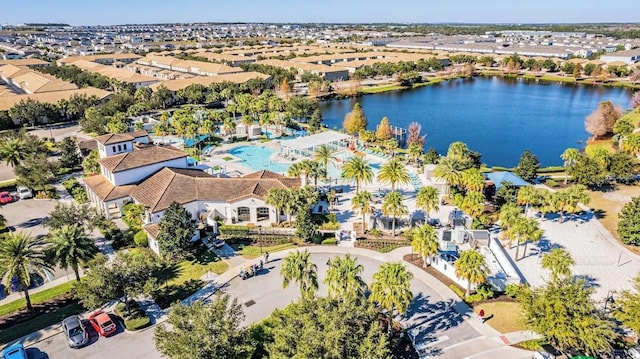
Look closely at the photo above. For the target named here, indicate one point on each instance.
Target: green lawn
(38, 323)
(594, 145)
(251, 252)
(188, 270)
(39, 297)
(7, 183)
(379, 89)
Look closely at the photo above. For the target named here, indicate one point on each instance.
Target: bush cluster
(76, 190)
(135, 318)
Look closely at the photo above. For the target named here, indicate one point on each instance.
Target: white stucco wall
(137, 174)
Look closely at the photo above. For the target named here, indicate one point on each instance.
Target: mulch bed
(20, 316)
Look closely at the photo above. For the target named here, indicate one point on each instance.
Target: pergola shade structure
(306, 146)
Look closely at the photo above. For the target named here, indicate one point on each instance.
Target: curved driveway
(444, 327)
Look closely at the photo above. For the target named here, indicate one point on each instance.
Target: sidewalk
(19, 295)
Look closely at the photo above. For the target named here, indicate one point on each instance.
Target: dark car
(74, 330)
(218, 243)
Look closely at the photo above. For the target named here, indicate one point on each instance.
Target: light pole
(608, 299)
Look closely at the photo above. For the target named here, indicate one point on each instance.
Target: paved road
(441, 328)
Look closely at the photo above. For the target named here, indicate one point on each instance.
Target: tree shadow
(32, 222)
(429, 317)
(544, 245)
(168, 271)
(599, 213)
(589, 281)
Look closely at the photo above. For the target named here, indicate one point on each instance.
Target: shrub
(512, 289)
(141, 239)
(135, 318)
(551, 182)
(79, 195)
(329, 241)
(485, 291)
(473, 298)
(375, 232)
(121, 239)
(457, 290)
(230, 231)
(330, 226)
(388, 248)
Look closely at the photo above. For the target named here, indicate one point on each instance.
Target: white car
(24, 192)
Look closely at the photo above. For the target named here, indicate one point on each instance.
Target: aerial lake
(499, 118)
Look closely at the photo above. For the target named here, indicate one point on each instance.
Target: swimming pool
(256, 158)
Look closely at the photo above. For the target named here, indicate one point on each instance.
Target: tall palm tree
(471, 267)
(325, 155)
(472, 204)
(358, 170)
(558, 262)
(278, 198)
(525, 230)
(344, 279)
(20, 255)
(425, 243)
(569, 156)
(528, 195)
(391, 289)
(13, 150)
(450, 170)
(392, 205)
(297, 267)
(427, 199)
(393, 172)
(509, 216)
(362, 203)
(70, 247)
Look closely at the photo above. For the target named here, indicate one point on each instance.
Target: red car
(102, 323)
(5, 197)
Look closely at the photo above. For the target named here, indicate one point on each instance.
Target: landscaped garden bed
(135, 318)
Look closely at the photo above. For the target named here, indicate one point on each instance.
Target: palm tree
(278, 198)
(362, 202)
(297, 267)
(471, 267)
(473, 180)
(528, 195)
(509, 216)
(13, 150)
(558, 262)
(392, 205)
(20, 255)
(70, 246)
(525, 230)
(472, 204)
(344, 279)
(425, 243)
(325, 155)
(358, 170)
(427, 199)
(450, 170)
(392, 172)
(391, 289)
(569, 156)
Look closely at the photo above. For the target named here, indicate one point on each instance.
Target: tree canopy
(176, 231)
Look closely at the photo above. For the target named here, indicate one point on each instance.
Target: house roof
(499, 177)
(105, 190)
(238, 78)
(9, 100)
(111, 138)
(185, 185)
(142, 155)
(87, 145)
(152, 229)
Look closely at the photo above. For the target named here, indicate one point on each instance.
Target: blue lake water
(499, 118)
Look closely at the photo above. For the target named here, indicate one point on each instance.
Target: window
(263, 213)
(119, 148)
(125, 146)
(244, 214)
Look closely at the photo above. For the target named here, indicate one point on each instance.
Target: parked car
(542, 354)
(24, 192)
(102, 323)
(218, 243)
(74, 330)
(634, 353)
(15, 351)
(5, 197)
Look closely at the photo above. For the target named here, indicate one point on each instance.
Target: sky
(100, 12)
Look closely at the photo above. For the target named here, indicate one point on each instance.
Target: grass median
(42, 321)
(36, 298)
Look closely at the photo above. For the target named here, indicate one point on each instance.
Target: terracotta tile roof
(8, 101)
(105, 190)
(111, 138)
(152, 229)
(142, 155)
(185, 186)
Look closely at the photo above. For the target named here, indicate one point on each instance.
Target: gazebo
(307, 145)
